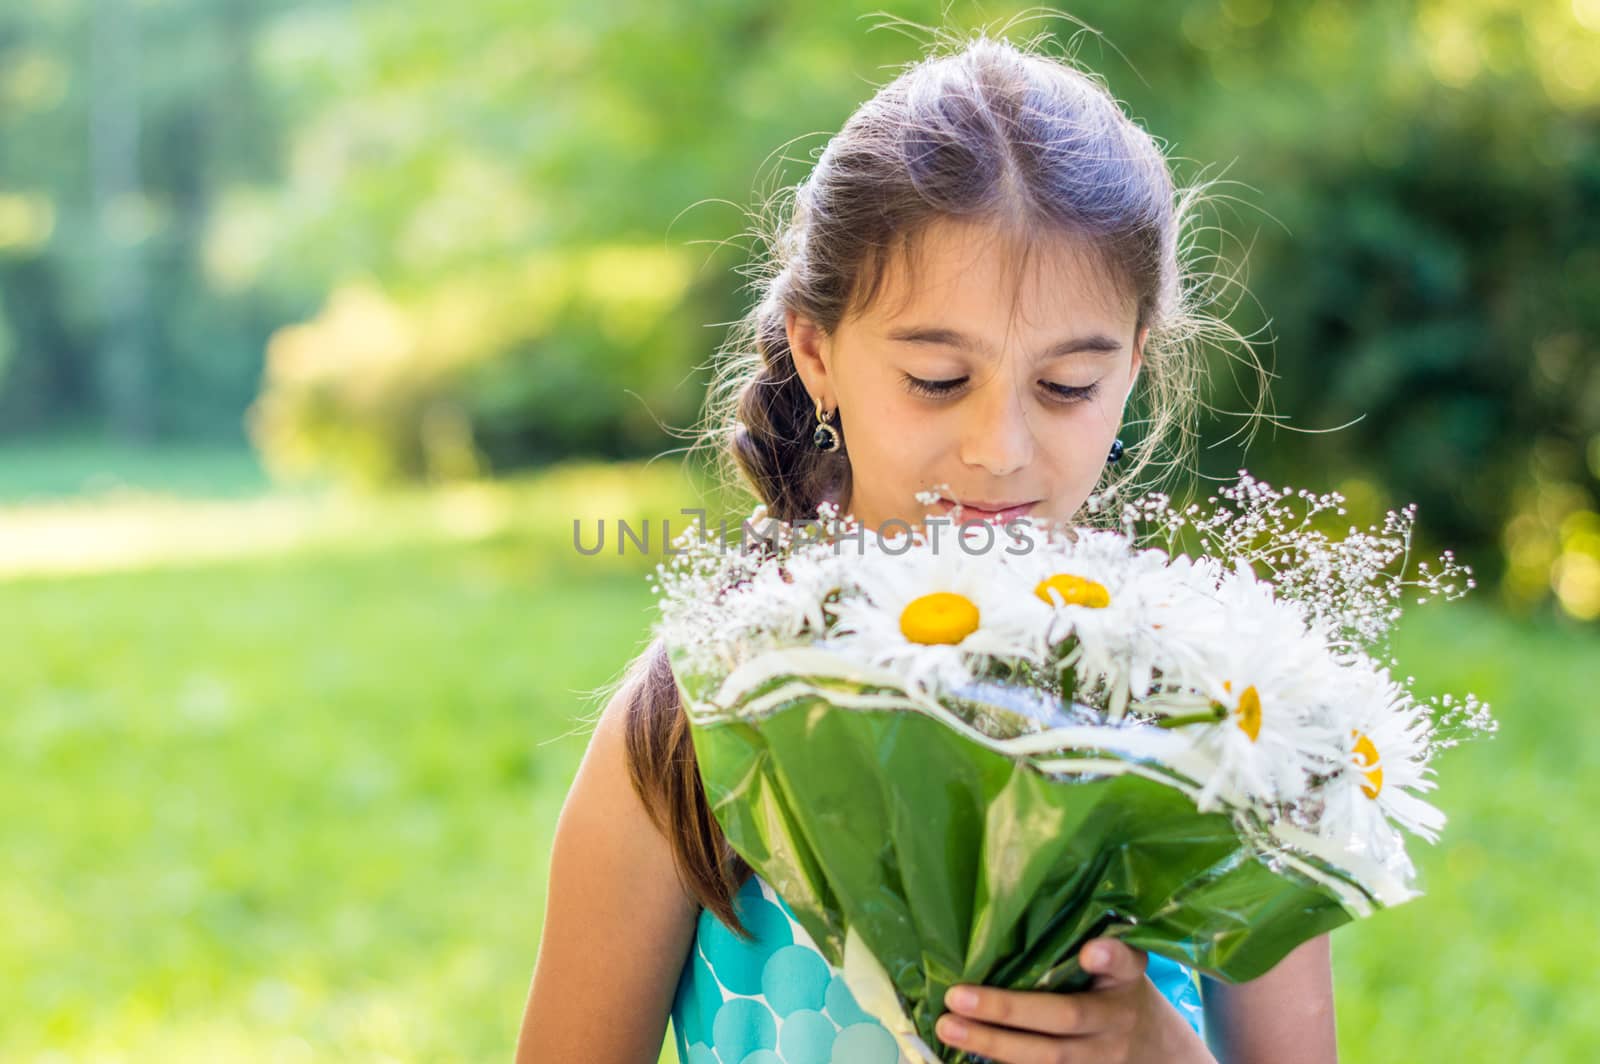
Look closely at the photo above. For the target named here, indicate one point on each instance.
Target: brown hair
(990, 132)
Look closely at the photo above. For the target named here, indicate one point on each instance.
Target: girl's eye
(1059, 393)
(1065, 394)
(933, 388)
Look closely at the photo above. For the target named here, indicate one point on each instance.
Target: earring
(826, 437)
(1116, 452)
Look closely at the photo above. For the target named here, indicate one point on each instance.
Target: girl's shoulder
(618, 923)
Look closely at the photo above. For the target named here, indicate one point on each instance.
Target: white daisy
(724, 602)
(1382, 767)
(1127, 612)
(927, 614)
(1255, 707)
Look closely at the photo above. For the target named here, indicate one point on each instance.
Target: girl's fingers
(1006, 1045)
(1113, 962)
(1042, 1011)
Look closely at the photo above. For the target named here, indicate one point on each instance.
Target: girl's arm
(1286, 1014)
(617, 923)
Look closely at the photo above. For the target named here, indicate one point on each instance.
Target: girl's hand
(1121, 1019)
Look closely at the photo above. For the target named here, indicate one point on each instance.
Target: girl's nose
(996, 436)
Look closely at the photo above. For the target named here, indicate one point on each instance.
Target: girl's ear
(1138, 358)
(809, 346)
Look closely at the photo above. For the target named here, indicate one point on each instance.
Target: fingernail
(961, 997)
(951, 1030)
(1095, 956)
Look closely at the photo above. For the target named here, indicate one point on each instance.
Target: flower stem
(1206, 716)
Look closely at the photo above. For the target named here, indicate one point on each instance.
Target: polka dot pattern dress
(776, 999)
(773, 1000)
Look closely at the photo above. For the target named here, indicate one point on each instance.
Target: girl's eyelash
(938, 389)
(934, 388)
(1073, 395)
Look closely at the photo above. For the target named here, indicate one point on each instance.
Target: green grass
(298, 805)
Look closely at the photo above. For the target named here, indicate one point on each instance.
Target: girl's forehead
(956, 268)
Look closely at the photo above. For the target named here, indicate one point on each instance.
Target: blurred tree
(1436, 172)
(124, 124)
(479, 235)
(114, 122)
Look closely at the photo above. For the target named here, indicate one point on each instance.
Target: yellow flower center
(940, 617)
(1248, 711)
(1074, 590)
(1367, 758)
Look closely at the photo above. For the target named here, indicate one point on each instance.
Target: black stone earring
(826, 437)
(1116, 452)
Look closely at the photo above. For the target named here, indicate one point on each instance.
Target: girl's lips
(1002, 516)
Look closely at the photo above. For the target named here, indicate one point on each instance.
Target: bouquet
(959, 761)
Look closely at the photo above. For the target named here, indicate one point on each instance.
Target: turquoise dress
(776, 1000)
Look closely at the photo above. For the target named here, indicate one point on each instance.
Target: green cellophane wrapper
(952, 862)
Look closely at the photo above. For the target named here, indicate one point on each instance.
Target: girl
(982, 265)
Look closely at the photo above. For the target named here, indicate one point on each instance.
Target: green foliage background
(407, 240)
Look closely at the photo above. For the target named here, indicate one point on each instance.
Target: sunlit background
(320, 322)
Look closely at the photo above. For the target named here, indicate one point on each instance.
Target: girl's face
(938, 383)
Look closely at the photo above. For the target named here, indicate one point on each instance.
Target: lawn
(294, 802)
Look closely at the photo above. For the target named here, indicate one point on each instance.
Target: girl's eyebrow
(1094, 343)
